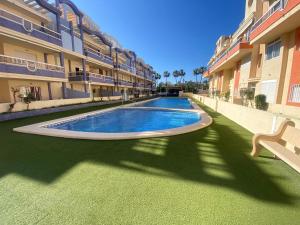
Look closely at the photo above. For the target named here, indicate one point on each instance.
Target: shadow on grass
(217, 156)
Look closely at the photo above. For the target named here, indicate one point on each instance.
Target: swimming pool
(175, 103)
(123, 120)
(152, 118)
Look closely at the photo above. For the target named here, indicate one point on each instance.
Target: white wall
(256, 121)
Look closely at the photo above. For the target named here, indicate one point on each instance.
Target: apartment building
(262, 54)
(50, 49)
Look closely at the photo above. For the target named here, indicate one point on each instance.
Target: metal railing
(29, 64)
(276, 6)
(295, 94)
(140, 73)
(101, 76)
(127, 68)
(104, 58)
(29, 26)
(237, 42)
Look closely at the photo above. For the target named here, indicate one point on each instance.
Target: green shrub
(261, 102)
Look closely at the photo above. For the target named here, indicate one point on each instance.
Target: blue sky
(167, 34)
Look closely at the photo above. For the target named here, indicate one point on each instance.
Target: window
(295, 93)
(273, 49)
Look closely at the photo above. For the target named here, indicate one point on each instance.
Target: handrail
(100, 76)
(98, 53)
(31, 65)
(276, 6)
(238, 41)
(126, 67)
(20, 20)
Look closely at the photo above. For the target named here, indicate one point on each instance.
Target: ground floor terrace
(204, 177)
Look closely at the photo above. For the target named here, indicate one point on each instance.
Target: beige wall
(5, 91)
(56, 90)
(21, 83)
(7, 85)
(78, 87)
(228, 76)
(28, 53)
(245, 71)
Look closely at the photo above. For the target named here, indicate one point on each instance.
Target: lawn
(205, 177)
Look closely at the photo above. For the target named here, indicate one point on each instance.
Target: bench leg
(255, 151)
(256, 147)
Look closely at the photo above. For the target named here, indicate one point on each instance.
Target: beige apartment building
(50, 49)
(263, 54)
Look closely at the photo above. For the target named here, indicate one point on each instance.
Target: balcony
(21, 25)
(139, 85)
(98, 56)
(127, 68)
(140, 73)
(91, 77)
(233, 54)
(25, 67)
(125, 83)
(282, 17)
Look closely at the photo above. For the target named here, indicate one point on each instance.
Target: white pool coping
(41, 128)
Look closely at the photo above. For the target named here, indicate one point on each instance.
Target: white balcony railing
(30, 65)
(101, 76)
(29, 26)
(92, 51)
(276, 6)
(295, 94)
(238, 41)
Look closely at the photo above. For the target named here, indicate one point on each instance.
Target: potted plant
(261, 102)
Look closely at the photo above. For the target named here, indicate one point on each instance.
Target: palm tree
(166, 75)
(202, 70)
(157, 76)
(176, 75)
(196, 72)
(181, 74)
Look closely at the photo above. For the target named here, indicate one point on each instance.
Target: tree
(181, 74)
(166, 75)
(202, 70)
(157, 77)
(196, 72)
(176, 75)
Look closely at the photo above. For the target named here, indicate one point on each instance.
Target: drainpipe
(72, 35)
(49, 90)
(84, 74)
(117, 65)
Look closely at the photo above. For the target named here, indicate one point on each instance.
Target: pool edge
(39, 128)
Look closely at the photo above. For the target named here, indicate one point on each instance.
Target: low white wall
(4, 107)
(20, 106)
(256, 121)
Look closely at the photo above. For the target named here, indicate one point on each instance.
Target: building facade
(263, 54)
(51, 50)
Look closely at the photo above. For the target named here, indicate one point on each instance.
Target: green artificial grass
(205, 177)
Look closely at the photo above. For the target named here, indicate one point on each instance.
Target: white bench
(285, 144)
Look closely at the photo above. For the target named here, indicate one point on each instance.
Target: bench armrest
(269, 137)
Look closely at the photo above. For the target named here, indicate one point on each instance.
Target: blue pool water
(124, 120)
(175, 103)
